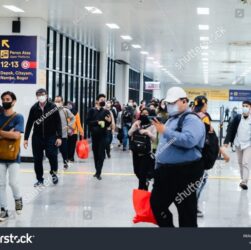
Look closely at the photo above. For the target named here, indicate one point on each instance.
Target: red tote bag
(82, 149)
(142, 207)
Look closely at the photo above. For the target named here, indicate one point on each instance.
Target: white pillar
(122, 83)
(141, 88)
(103, 72)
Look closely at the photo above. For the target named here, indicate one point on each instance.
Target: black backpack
(210, 151)
(140, 144)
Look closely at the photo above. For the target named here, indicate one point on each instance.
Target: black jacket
(94, 116)
(46, 123)
(232, 129)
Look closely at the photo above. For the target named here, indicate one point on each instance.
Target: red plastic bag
(142, 207)
(82, 149)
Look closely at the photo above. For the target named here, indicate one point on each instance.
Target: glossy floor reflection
(79, 200)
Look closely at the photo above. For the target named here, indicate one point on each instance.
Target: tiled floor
(79, 200)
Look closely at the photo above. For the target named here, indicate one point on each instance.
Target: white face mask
(245, 110)
(173, 109)
(42, 98)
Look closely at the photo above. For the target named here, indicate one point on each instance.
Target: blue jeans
(125, 135)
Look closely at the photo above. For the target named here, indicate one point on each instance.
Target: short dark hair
(11, 94)
(146, 109)
(247, 102)
(41, 91)
(59, 96)
(100, 96)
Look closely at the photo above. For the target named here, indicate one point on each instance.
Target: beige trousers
(244, 160)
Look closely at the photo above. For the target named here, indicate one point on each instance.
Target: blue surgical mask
(245, 110)
(172, 109)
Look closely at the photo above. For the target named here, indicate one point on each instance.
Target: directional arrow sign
(5, 43)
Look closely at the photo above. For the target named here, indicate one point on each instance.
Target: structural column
(141, 88)
(103, 72)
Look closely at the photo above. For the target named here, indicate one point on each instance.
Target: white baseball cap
(174, 94)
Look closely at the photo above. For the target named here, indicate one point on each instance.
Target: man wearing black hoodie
(99, 119)
(47, 135)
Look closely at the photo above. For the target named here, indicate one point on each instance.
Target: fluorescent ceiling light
(150, 58)
(204, 54)
(136, 46)
(128, 38)
(144, 52)
(204, 59)
(155, 62)
(203, 11)
(204, 47)
(13, 8)
(203, 27)
(204, 38)
(93, 10)
(113, 26)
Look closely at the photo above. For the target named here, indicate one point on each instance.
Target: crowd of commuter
(172, 142)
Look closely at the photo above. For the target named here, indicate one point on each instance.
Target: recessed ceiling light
(136, 46)
(160, 66)
(204, 38)
(155, 62)
(144, 52)
(204, 47)
(203, 11)
(204, 59)
(113, 26)
(13, 8)
(204, 54)
(128, 38)
(93, 10)
(203, 27)
(150, 58)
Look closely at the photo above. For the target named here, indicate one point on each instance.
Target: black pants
(141, 169)
(71, 145)
(108, 142)
(63, 149)
(98, 147)
(176, 184)
(51, 151)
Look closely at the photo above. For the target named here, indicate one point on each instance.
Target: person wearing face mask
(45, 120)
(73, 132)
(127, 120)
(179, 162)
(67, 121)
(142, 157)
(239, 133)
(11, 127)
(162, 111)
(110, 130)
(99, 119)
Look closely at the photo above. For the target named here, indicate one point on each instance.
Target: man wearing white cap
(179, 164)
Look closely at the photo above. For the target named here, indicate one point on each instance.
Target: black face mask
(102, 104)
(7, 105)
(144, 120)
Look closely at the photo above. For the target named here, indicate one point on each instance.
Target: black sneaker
(99, 177)
(54, 177)
(199, 214)
(244, 186)
(19, 206)
(3, 215)
(109, 156)
(66, 165)
(39, 184)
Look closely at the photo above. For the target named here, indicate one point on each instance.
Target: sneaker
(66, 165)
(109, 156)
(99, 177)
(124, 149)
(95, 175)
(200, 214)
(39, 184)
(54, 177)
(3, 215)
(19, 206)
(243, 186)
